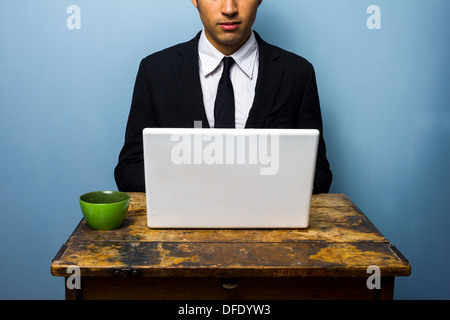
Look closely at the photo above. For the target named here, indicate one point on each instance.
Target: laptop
(229, 178)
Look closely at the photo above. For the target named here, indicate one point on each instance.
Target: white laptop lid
(229, 178)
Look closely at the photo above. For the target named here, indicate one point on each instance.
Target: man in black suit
(273, 88)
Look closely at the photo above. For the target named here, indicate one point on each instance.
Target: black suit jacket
(168, 93)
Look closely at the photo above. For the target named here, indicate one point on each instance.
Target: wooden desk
(328, 260)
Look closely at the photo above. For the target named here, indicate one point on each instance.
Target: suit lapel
(266, 91)
(188, 80)
(267, 85)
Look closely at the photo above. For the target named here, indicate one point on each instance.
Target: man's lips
(229, 26)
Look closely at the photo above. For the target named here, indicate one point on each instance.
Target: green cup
(104, 210)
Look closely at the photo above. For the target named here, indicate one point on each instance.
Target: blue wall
(65, 96)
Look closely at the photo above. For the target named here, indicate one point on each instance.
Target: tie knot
(227, 63)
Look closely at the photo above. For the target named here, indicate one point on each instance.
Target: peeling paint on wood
(340, 241)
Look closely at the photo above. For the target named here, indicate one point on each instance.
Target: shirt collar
(245, 57)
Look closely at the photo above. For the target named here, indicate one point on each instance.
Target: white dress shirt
(243, 73)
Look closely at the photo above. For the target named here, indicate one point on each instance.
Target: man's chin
(232, 39)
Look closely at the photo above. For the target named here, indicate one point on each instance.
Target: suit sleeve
(129, 172)
(309, 117)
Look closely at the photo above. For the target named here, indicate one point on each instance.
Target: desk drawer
(160, 288)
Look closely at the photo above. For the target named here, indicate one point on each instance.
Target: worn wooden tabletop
(340, 242)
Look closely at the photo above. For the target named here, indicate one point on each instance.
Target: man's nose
(229, 7)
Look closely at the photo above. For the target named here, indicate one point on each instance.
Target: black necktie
(224, 105)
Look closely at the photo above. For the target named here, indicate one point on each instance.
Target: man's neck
(227, 49)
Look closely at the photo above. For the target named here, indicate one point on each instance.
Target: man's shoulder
(172, 53)
(284, 56)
